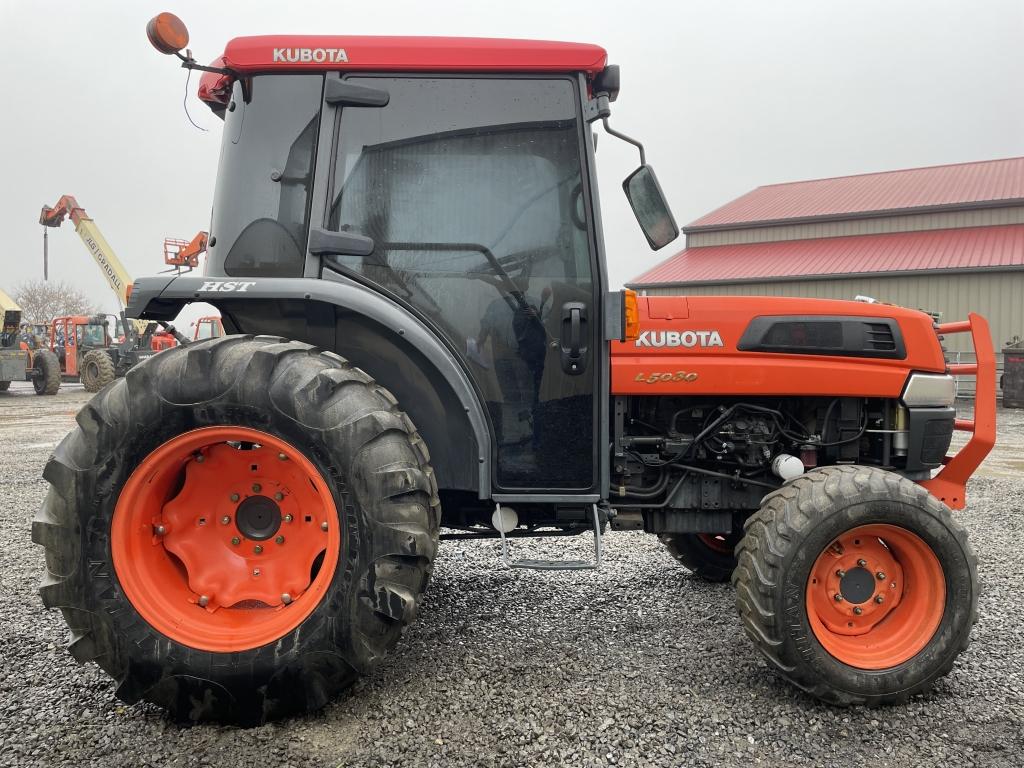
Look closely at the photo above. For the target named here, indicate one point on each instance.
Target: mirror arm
(187, 62)
(625, 138)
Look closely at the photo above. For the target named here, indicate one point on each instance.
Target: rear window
(261, 206)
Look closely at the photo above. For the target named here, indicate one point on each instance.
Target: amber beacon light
(167, 33)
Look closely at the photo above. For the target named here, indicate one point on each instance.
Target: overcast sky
(726, 96)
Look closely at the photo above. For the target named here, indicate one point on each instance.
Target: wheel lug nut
(235, 540)
(840, 573)
(880, 576)
(255, 571)
(225, 520)
(858, 610)
(200, 458)
(288, 518)
(282, 457)
(279, 496)
(257, 549)
(279, 540)
(879, 599)
(235, 497)
(203, 601)
(323, 526)
(862, 563)
(286, 598)
(839, 598)
(160, 530)
(256, 487)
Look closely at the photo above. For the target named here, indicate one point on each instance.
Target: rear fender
(387, 341)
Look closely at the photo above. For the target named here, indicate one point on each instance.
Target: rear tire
(860, 534)
(4, 386)
(330, 416)
(97, 370)
(710, 557)
(46, 380)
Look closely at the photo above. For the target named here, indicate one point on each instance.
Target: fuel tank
(766, 345)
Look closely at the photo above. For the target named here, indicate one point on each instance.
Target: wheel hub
(217, 524)
(857, 586)
(848, 592)
(258, 518)
(225, 538)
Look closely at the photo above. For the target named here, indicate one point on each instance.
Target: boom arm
(111, 267)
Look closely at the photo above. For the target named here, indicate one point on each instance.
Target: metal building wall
(999, 296)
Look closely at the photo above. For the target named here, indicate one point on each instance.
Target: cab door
(470, 196)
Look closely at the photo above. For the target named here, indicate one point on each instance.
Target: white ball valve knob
(787, 467)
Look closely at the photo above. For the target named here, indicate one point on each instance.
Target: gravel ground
(639, 664)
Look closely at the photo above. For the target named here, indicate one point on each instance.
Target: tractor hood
(774, 346)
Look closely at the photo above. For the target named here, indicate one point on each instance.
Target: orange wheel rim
(717, 542)
(225, 538)
(875, 596)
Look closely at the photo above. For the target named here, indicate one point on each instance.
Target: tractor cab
(452, 179)
(74, 336)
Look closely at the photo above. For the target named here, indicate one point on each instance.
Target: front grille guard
(950, 484)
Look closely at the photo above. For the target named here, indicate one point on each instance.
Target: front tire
(97, 370)
(857, 585)
(174, 505)
(46, 379)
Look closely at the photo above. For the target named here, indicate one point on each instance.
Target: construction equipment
(406, 232)
(111, 267)
(96, 349)
(1012, 382)
(209, 327)
(183, 255)
(20, 360)
(137, 341)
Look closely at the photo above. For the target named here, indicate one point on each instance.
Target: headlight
(929, 389)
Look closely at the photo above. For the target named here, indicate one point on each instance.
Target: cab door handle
(573, 343)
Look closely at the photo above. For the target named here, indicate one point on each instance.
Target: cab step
(553, 565)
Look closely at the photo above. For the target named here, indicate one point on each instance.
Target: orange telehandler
(92, 349)
(183, 256)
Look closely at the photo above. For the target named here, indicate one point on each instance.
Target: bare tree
(41, 301)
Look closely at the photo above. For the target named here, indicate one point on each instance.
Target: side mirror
(649, 206)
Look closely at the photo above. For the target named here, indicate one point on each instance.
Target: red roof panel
(410, 54)
(915, 188)
(953, 249)
(352, 53)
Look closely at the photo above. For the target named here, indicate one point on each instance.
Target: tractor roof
(297, 53)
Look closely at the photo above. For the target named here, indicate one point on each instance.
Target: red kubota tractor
(407, 255)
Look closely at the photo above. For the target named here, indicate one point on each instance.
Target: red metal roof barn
(946, 239)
